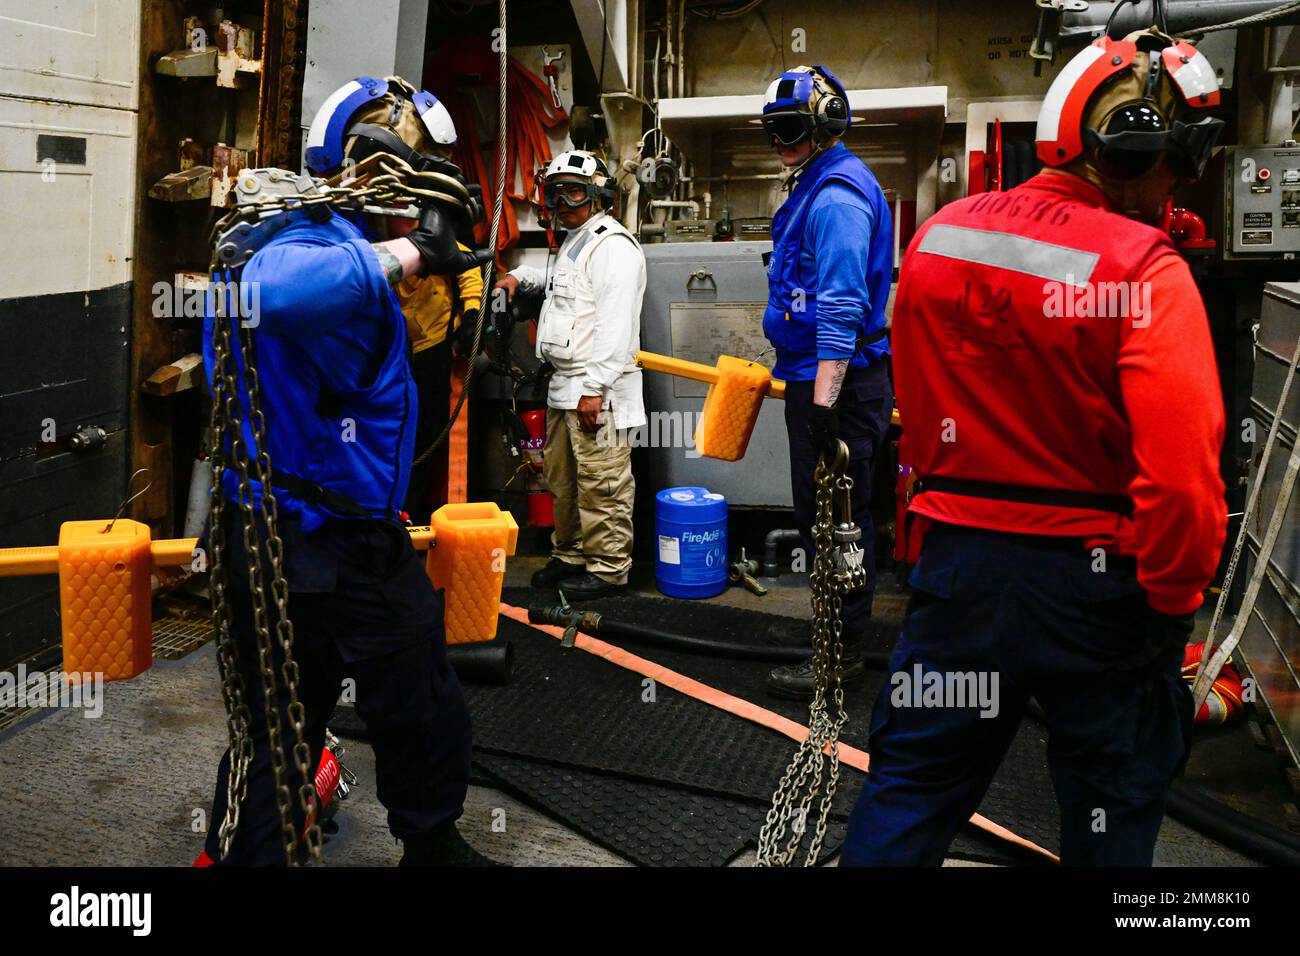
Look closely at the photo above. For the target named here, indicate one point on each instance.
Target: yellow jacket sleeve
(470, 286)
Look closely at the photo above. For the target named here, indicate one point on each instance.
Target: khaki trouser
(593, 488)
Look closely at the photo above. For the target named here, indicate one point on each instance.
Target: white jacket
(590, 325)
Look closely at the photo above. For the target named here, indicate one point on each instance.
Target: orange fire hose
(526, 143)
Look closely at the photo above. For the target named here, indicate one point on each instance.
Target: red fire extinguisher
(541, 506)
(333, 780)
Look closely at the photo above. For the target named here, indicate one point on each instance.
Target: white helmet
(588, 168)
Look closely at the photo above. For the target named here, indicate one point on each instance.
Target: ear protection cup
(832, 112)
(833, 116)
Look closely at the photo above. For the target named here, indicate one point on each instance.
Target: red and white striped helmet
(1062, 119)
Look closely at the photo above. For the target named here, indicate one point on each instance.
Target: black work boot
(549, 577)
(443, 847)
(795, 681)
(586, 586)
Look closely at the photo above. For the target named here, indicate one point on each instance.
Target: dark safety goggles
(788, 127)
(570, 193)
(1188, 145)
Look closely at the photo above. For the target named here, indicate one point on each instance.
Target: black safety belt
(1023, 494)
(316, 494)
(873, 338)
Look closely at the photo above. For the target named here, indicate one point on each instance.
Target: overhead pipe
(1182, 16)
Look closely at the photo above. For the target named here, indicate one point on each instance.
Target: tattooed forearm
(837, 380)
(391, 265)
(830, 378)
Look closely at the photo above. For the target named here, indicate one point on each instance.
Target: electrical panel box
(1262, 198)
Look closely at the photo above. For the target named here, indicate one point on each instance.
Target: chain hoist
(812, 778)
(270, 199)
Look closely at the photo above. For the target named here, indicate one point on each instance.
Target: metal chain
(380, 179)
(226, 420)
(815, 768)
(280, 594)
(232, 683)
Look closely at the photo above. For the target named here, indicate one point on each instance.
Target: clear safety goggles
(567, 192)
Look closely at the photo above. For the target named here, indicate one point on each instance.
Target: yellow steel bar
(172, 552)
(166, 553)
(696, 371)
(15, 562)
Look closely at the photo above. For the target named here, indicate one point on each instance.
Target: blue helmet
(806, 101)
(327, 138)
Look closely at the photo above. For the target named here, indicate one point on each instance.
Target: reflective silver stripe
(583, 238)
(1007, 251)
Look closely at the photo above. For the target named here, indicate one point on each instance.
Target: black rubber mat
(1020, 797)
(571, 709)
(645, 823)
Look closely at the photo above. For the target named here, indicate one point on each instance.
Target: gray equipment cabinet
(703, 300)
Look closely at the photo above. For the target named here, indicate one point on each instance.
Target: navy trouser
(865, 404)
(362, 608)
(1105, 669)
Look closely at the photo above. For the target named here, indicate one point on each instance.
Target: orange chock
(468, 560)
(731, 408)
(104, 596)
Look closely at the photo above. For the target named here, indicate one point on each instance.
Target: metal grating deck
(173, 638)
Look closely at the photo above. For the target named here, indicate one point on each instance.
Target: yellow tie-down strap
(105, 569)
(737, 388)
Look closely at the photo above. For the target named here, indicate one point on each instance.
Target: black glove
(435, 238)
(464, 340)
(1172, 631)
(824, 427)
(463, 220)
(1163, 638)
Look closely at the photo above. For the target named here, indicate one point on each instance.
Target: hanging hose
(497, 212)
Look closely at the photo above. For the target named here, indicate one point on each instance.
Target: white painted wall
(68, 69)
(76, 51)
(74, 224)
